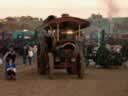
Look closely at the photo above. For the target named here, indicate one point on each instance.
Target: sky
(79, 8)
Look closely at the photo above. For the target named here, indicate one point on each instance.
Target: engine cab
(66, 33)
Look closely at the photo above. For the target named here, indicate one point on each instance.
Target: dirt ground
(97, 82)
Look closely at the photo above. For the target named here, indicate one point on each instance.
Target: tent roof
(64, 22)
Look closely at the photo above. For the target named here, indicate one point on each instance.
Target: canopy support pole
(79, 27)
(51, 31)
(58, 36)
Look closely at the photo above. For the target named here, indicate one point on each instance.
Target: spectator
(25, 54)
(10, 69)
(35, 49)
(30, 55)
(9, 60)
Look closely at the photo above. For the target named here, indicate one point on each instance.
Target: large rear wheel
(41, 64)
(81, 71)
(50, 65)
(81, 66)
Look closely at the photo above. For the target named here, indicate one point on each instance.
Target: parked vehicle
(22, 38)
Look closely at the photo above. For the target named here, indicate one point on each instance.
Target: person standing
(5, 60)
(30, 55)
(35, 49)
(25, 54)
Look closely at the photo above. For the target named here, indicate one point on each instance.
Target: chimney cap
(65, 15)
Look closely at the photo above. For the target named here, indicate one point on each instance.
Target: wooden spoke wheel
(81, 67)
(41, 65)
(50, 65)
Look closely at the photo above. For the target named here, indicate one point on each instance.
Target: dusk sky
(80, 8)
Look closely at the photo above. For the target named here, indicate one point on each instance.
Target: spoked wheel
(38, 66)
(81, 71)
(81, 67)
(41, 66)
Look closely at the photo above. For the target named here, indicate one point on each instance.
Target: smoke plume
(112, 8)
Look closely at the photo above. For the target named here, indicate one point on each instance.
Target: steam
(112, 8)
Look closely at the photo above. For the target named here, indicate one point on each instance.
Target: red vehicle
(63, 50)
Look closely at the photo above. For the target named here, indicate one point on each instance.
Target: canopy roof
(65, 22)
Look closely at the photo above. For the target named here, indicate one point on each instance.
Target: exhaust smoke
(112, 8)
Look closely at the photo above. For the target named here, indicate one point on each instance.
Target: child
(10, 69)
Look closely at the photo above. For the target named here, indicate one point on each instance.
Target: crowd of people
(102, 56)
(29, 54)
(9, 56)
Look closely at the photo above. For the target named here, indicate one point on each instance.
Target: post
(52, 34)
(50, 30)
(58, 32)
(79, 31)
(76, 34)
